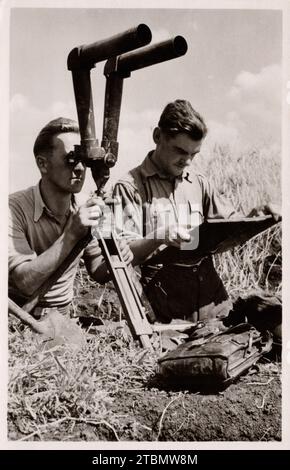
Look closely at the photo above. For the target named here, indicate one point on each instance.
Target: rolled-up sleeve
(215, 206)
(19, 250)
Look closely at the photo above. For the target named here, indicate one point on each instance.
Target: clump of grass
(248, 179)
(257, 265)
(48, 389)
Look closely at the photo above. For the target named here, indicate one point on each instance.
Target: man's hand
(125, 250)
(173, 235)
(87, 215)
(267, 209)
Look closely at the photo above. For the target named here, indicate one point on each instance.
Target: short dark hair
(179, 116)
(44, 140)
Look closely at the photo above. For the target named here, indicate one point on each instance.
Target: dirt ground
(248, 410)
(147, 408)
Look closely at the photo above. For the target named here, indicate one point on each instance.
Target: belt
(157, 267)
(190, 265)
(148, 272)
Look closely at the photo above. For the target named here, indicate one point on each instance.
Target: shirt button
(194, 269)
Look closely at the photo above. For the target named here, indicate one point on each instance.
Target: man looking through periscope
(47, 220)
(155, 196)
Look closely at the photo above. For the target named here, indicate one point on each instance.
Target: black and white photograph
(146, 145)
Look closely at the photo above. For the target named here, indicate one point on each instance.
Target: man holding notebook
(162, 199)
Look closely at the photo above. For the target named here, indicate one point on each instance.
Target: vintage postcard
(178, 112)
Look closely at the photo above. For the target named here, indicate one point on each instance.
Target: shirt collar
(40, 206)
(148, 168)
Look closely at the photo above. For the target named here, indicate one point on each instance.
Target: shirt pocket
(196, 217)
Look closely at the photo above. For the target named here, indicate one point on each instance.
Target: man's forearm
(267, 209)
(29, 276)
(97, 269)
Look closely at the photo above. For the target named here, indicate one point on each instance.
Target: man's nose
(186, 160)
(79, 166)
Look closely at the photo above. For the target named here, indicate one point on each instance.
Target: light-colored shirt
(151, 200)
(32, 230)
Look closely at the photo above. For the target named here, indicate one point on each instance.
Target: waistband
(149, 271)
(178, 265)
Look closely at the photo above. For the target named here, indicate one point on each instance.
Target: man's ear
(41, 162)
(156, 135)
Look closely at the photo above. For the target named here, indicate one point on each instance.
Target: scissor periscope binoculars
(121, 59)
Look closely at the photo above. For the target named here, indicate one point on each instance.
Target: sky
(231, 73)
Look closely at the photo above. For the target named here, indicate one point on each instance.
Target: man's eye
(71, 158)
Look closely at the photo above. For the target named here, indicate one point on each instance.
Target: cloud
(223, 132)
(250, 84)
(252, 110)
(26, 120)
(256, 99)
